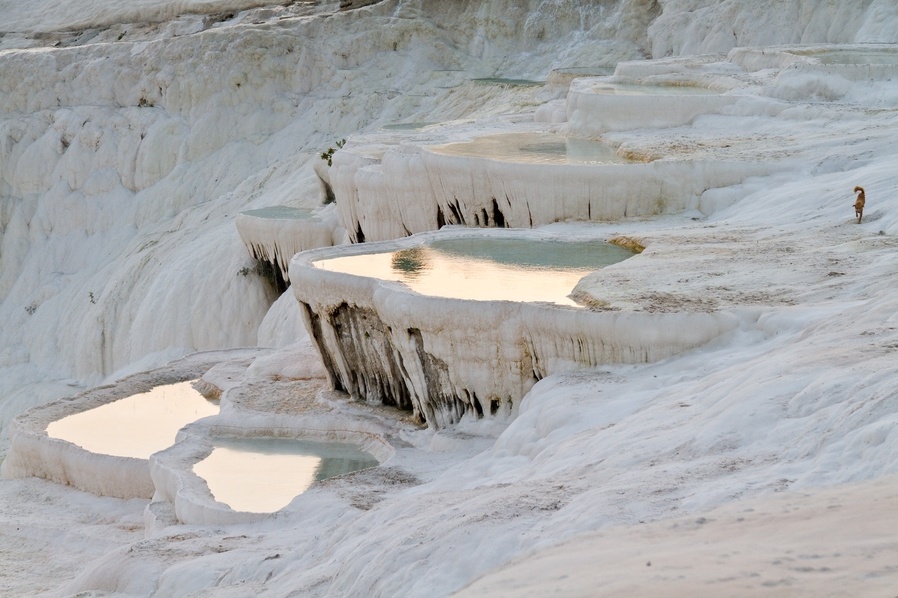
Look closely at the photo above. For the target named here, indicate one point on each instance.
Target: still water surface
(280, 213)
(136, 426)
(486, 269)
(262, 475)
(534, 148)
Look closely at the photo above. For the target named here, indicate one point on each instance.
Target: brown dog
(859, 203)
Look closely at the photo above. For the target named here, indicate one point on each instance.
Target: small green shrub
(329, 154)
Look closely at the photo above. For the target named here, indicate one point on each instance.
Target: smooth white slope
(835, 542)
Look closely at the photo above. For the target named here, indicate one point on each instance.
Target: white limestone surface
(417, 189)
(444, 358)
(797, 544)
(53, 15)
(705, 26)
(275, 234)
(799, 398)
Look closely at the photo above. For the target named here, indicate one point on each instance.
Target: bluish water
(511, 82)
(406, 126)
(534, 148)
(533, 253)
(280, 213)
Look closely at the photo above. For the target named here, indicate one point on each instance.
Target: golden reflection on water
(263, 475)
(479, 280)
(546, 272)
(254, 481)
(136, 426)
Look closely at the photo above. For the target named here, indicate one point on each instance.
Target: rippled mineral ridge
(131, 134)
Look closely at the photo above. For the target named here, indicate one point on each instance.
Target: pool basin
(263, 475)
(447, 358)
(136, 426)
(533, 148)
(486, 268)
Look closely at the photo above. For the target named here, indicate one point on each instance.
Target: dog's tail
(856, 189)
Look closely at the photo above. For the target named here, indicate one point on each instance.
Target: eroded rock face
(365, 344)
(379, 364)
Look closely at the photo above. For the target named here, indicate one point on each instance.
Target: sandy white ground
(124, 160)
(833, 542)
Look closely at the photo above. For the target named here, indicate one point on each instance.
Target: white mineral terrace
(247, 465)
(443, 357)
(856, 55)
(99, 441)
(517, 179)
(597, 105)
(564, 75)
(835, 67)
(274, 234)
(173, 444)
